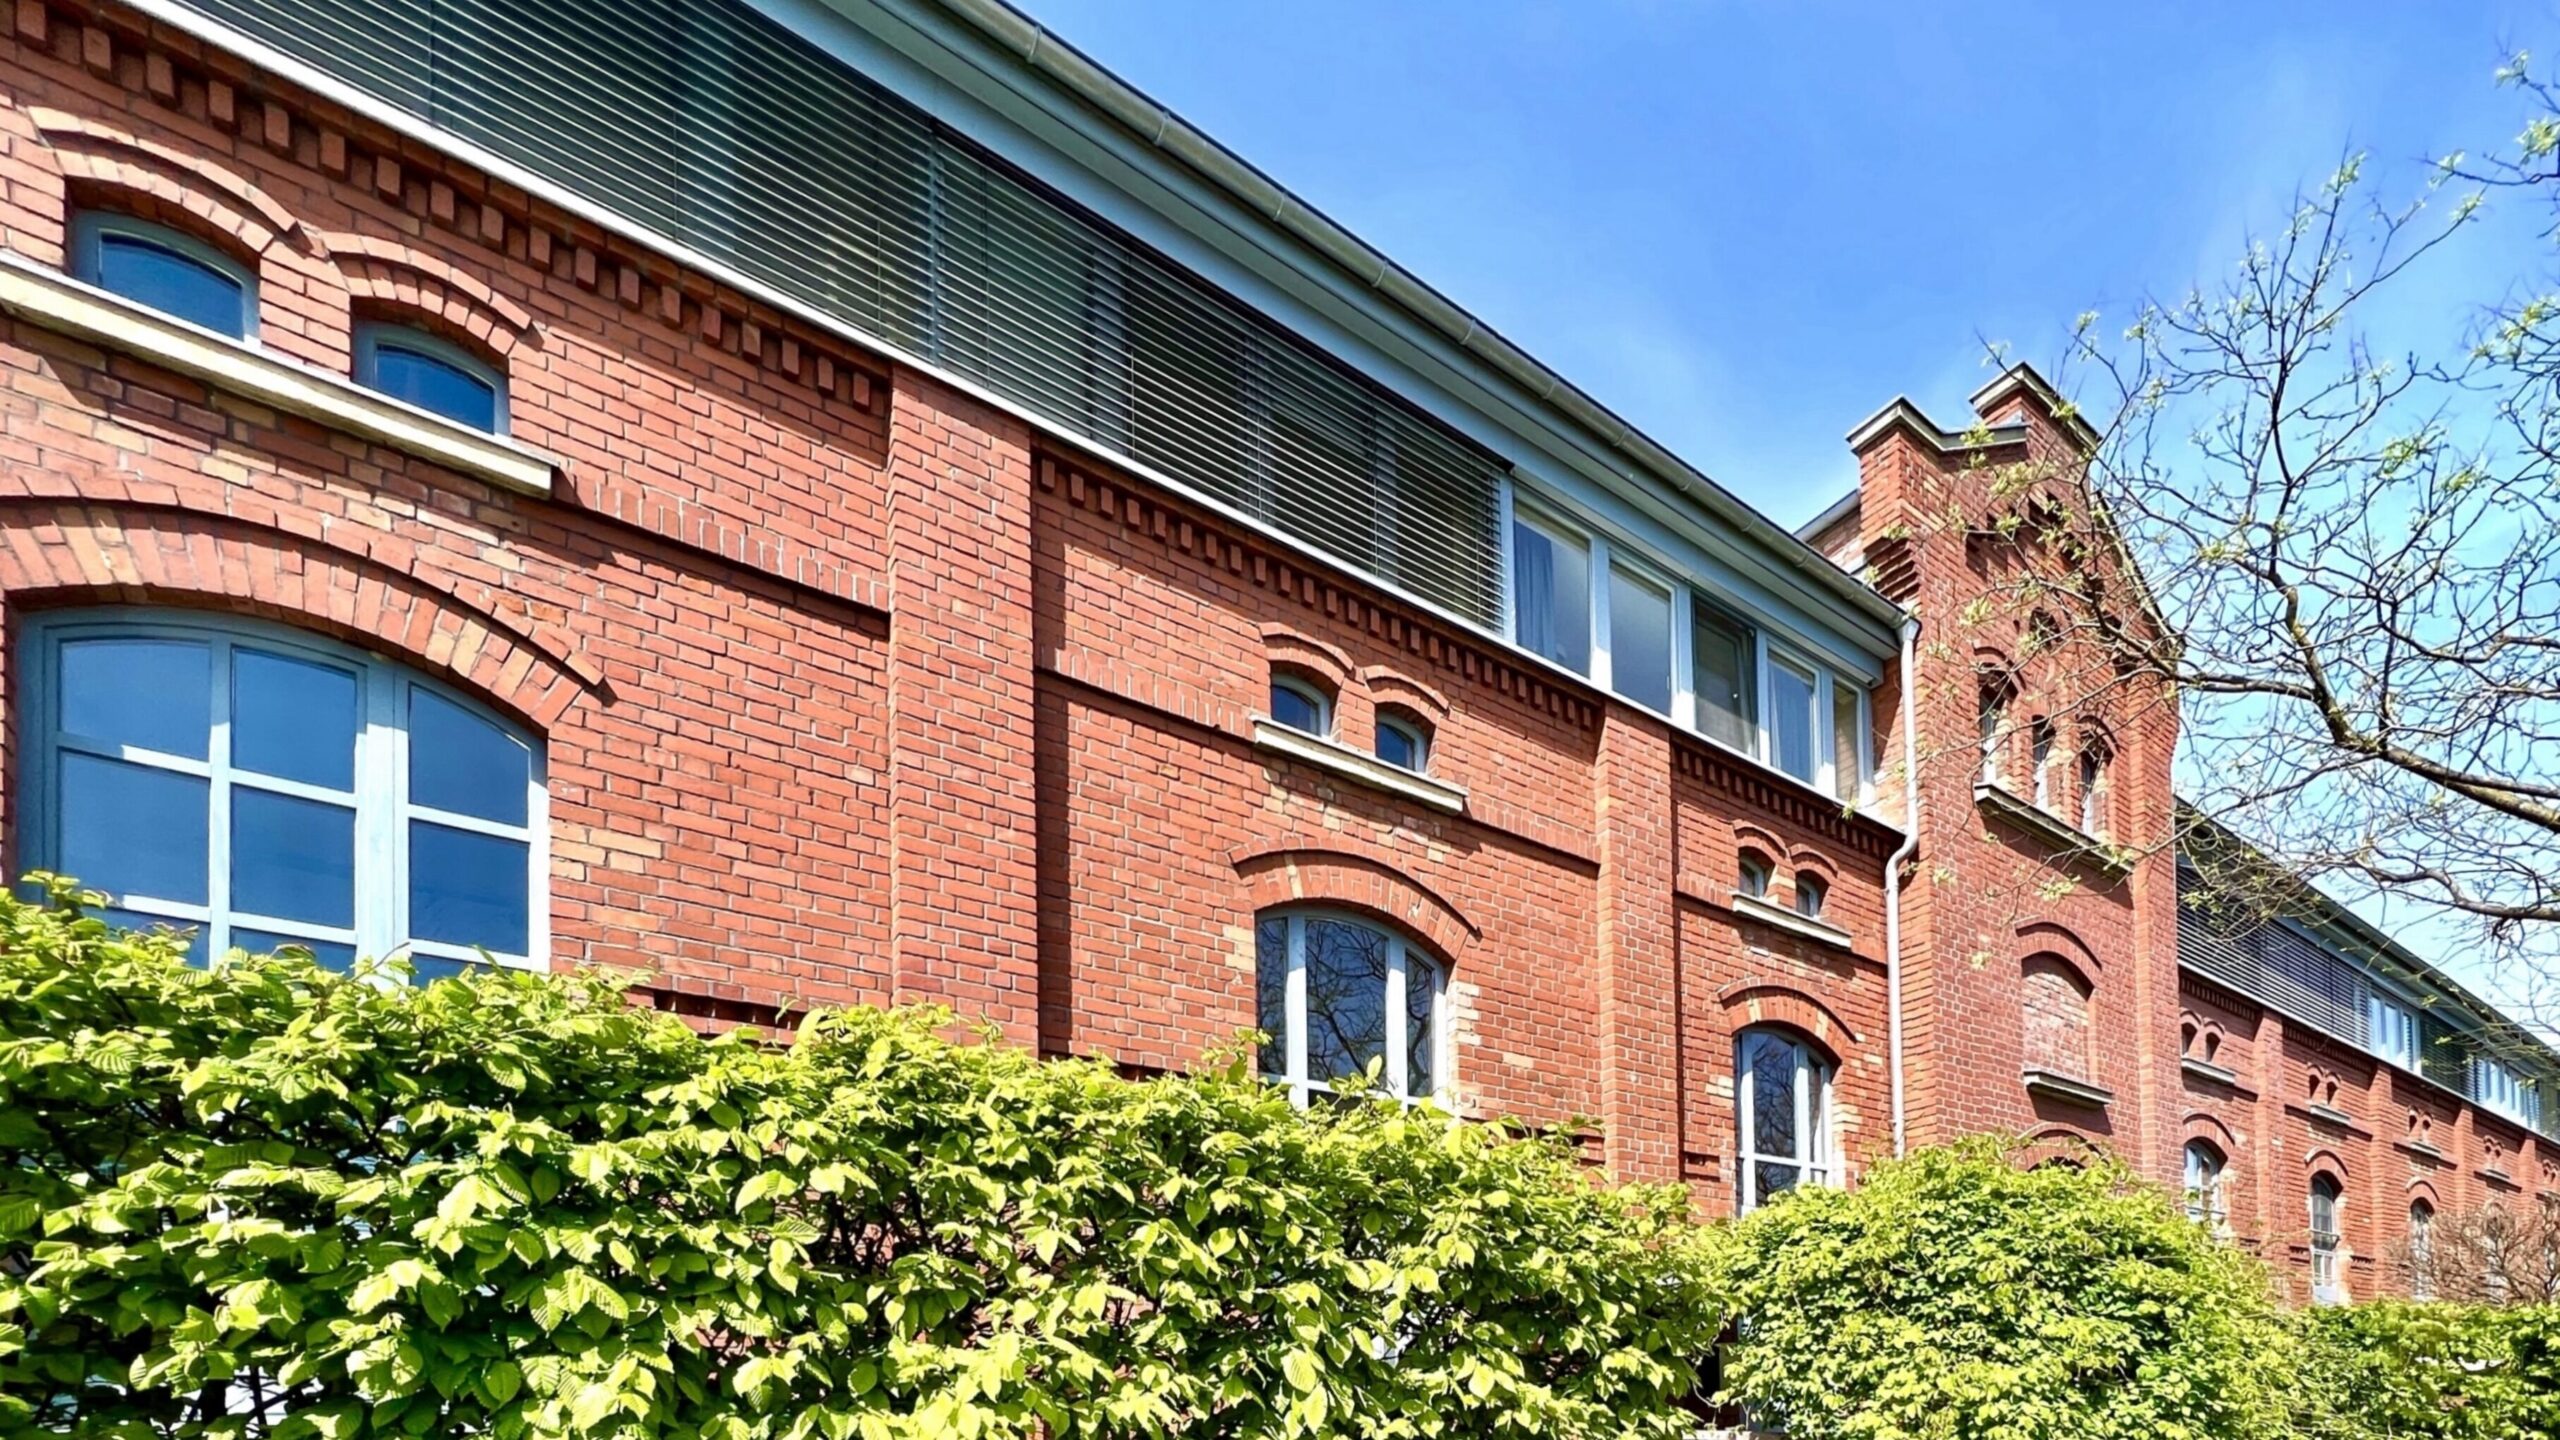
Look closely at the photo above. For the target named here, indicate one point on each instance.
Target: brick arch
(1759, 1002)
(1394, 687)
(2208, 1127)
(393, 276)
(2325, 1161)
(95, 154)
(56, 556)
(2422, 1188)
(2055, 938)
(1805, 857)
(1299, 875)
(1747, 836)
(1298, 650)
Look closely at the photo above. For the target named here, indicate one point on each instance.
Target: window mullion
(1398, 1035)
(1604, 672)
(1297, 1009)
(1684, 686)
(217, 937)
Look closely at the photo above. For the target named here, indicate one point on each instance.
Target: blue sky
(1746, 225)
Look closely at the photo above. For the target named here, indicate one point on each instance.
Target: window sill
(2425, 1151)
(1350, 764)
(2498, 1177)
(2000, 802)
(61, 303)
(2054, 1085)
(2211, 1073)
(1778, 917)
(2330, 1114)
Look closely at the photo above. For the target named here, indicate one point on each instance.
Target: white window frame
(1402, 957)
(2328, 1261)
(1313, 694)
(1605, 555)
(1416, 734)
(2208, 1203)
(380, 796)
(2503, 1092)
(2391, 1026)
(90, 227)
(1812, 1085)
(2422, 1250)
(370, 335)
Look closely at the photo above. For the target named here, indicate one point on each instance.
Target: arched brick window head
(2053, 1003)
(1992, 726)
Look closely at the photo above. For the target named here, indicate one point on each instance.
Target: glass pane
(1791, 720)
(1553, 604)
(1296, 709)
(1721, 654)
(1773, 1097)
(293, 719)
(1346, 998)
(292, 858)
(1399, 747)
(132, 830)
(467, 889)
(462, 763)
(1847, 740)
(329, 953)
(1271, 994)
(424, 968)
(1639, 640)
(149, 924)
(155, 694)
(1776, 1180)
(171, 283)
(433, 383)
(1421, 998)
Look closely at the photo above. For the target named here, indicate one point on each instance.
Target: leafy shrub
(266, 1200)
(2392, 1370)
(1958, 1294)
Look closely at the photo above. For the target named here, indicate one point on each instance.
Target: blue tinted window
(171, 277)
(1296, 705)
(235, 780)
(431, 377)
(1400, 745)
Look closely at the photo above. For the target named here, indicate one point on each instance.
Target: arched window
(2205, 1202)
(173, 273)
(262, 787)
(2040, 741)
(1301, 704)
(2096, 760)
(1991, 712)
(1752, 875)
(1782, 1105)
(1404, 743)
(1339, 993)
(2422, 1250)
(432, 374)
(1810, 894)
(2327, 1244)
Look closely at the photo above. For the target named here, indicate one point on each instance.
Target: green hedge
(513, 1205)
(2390, 1370)
(1957, 1294)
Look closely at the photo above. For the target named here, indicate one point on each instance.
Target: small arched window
(260, 787)
(2205, 1203)
(433, 374)
(2096, 759)
(1991, 724)
(1301, 704)
(1810, 894)
(2422, 1250)
(1752, 875)
(2040, 739)
(2327, 1243)
(171, 272)
(1782, 1106)
(1338, 994)
(1404, 743)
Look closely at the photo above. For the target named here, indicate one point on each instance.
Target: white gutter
(1909, 680)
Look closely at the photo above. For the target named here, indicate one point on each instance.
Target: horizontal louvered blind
(710, 124)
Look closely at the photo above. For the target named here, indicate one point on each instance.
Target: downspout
(1893, 879)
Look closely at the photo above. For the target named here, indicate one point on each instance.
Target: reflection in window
(2040, 752)
(1792, 746)
(261, 788)
(1754, 877)
(1299, 705)
(1551, 593)
(1404, 744)
(432, 374)
(1338, 995)
(173, 273)
(2205, 1203)
(1721, 658)
(1782, 1095)
(1991, 726)
(1639, 639)
(1810, 894)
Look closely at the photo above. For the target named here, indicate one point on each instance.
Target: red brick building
(847, 503)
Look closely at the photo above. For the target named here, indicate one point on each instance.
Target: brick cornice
(1759, 793)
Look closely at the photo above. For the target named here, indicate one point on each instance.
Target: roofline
(1155, 125)
(1830, 514)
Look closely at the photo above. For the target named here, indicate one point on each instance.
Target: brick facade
(854, 688)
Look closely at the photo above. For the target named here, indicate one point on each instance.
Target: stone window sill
(1778, 917)
(2206, 1070)
(2055, 1085)
(2064, 837)
(1350, 764)
(2332, 1114)
(58, 302)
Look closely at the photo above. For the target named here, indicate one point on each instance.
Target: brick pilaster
(1638, 959)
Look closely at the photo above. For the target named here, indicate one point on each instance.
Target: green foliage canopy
(1958, 1294)
(266, 1200)
(2391, 1370)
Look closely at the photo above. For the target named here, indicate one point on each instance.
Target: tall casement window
(2040, 749)
(1338, 994)
(433, 374)
(1782, 1103)
(2096, 761)
(1991, 727)
(2422, 1250)
(261, 787)
(2205, 1203)
(173, 273)
(2393, 1029)
(1593, 604)
(2327, 1244)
